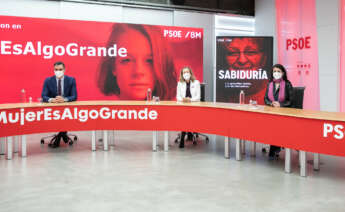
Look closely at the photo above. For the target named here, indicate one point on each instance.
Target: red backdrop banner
(297, 46)
(109, 60)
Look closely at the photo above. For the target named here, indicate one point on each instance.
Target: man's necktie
(59, 93)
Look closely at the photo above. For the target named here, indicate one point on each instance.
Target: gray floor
(130, 177)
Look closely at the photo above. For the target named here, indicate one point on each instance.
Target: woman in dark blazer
(279, 93)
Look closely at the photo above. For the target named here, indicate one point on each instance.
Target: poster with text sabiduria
(243, 63)
(109, 61)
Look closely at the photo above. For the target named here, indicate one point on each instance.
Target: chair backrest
(298, 96)
(202, 92)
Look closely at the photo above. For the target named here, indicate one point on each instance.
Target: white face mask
(58, 74)
(277, 75)
(186, 76)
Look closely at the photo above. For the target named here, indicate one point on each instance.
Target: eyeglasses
(238, 53)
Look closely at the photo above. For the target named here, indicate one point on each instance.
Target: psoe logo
(298, 43)
(336, 131)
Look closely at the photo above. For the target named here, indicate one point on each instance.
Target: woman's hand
(187, 99)
(275, 104)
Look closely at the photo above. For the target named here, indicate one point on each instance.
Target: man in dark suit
(58, 89)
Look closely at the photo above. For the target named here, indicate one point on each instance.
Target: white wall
(147, 16)
(231, 25)
(80, 11)
(29, 8)
(265, 22)
(327, 14)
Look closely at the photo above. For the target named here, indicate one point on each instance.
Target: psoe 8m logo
(335, 131)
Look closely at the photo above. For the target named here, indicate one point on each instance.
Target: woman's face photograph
(134, 73)
(244, 54)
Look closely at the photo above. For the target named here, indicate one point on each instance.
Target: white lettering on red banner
(179, 34)
(48, 51)
(243, 74)
(336, 131)
(49, 114)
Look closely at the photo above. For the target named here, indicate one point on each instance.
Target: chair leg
(253, 149)
(178, 138)
(207, 140)
(243, 147)
(194, 138)
(50, 136)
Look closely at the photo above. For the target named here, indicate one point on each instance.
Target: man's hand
(59, 99)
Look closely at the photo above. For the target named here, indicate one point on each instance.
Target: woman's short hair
(282, 68)
(192, 76)
(163, 66)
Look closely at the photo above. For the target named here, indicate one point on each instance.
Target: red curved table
(305, 130)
